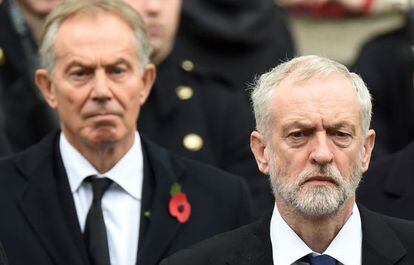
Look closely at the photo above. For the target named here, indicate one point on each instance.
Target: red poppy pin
(179, 205)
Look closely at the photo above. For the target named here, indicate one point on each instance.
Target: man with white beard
(313, 138)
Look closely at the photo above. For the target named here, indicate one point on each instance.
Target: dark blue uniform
(199, 117)
(27, 116)
(386, 64)
(236, 39)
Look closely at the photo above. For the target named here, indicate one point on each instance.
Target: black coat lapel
(68, 204)
(162, 227)
(41, 205)
(395, 184)
(258, 248)
(148, 188)
(380, 245)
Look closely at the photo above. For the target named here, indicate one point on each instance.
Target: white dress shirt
(288, 247)
(121, 203)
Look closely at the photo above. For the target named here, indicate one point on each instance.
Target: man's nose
(152, 7)
(101, 90)
(321, 152)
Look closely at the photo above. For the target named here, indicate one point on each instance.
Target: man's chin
(319, 201)
(104, 140)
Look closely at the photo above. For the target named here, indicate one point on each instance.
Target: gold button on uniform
(187, 65)
(193, 142)
(2, 56)
(184, 92)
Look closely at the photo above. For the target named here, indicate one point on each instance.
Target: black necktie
(321, 260)
(95, 230)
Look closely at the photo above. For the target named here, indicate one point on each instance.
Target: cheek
(172, 17)
(139, 6)
(292, 162)
(130, 101)
(42, 7)
(346, 162)
(71, 102)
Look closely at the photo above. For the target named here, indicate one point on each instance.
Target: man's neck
(316, 232)
(103, 158)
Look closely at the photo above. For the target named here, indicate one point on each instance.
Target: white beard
(314, 200)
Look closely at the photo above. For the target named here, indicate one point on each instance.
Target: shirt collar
(288, 247)
(347, 241)
(127, 172)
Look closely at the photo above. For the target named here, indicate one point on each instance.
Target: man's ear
(44, 82)
(367, 149)
(260, 152)
(148, 79)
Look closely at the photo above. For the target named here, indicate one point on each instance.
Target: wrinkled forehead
(101, 28)
(318, 87)
(94, 16)
(327, 95)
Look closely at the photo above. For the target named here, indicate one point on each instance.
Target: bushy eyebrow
(308, 126)
(343, 124)
(79, 63)
(297, 124)
(76, 63)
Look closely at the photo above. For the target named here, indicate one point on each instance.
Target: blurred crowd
(207, 58)
(206, 55)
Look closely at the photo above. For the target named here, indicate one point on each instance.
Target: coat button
(187, 65)
(184, 92)
(2, 56)
(193, 142)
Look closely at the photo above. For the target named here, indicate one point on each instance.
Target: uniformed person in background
(386, 63)
(236, 39)
(27, 117)
(194, 114)
(4, 142)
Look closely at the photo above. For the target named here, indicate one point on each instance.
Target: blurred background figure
(341, 8)
(338, 28)
(236, 39)
(26, 117)
(387, 186)
(4, 143)
(386, 63)
(196, 112)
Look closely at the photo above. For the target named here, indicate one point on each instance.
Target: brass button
(184, 92)
(193, 142)
(2, 56)
(187, 65)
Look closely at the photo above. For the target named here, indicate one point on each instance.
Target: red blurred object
(180, 208)
(331, 10)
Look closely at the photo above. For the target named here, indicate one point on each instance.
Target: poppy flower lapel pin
(179, 206)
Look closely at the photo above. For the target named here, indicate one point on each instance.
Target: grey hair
(71, 8)
(301, 69)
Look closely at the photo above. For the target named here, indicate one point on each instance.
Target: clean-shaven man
(97, 192)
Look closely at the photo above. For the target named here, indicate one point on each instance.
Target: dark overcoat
(39, 224)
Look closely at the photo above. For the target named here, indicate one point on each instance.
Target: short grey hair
(301, 69)
(71, 8)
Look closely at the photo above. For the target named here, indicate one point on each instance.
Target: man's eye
(342, 138)
(117, 71)
(78, 73)
(341, 134)
(296, 134)
(296, 138)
